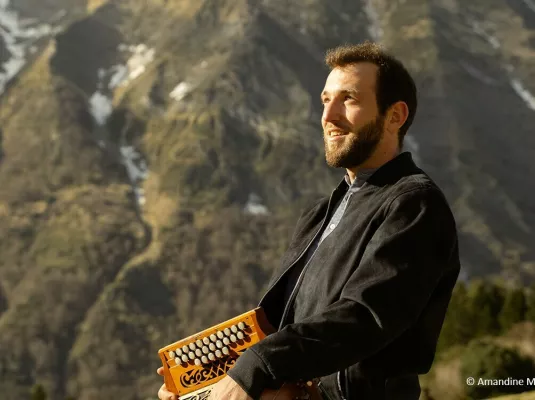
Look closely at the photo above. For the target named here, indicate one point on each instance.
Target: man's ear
(397, 115)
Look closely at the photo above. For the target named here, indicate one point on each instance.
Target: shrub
(486, 360)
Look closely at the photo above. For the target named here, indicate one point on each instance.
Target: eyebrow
(353, 92)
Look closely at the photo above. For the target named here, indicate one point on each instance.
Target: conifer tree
(530, 304)
(38, 392)
(457, 327)
(514, 308)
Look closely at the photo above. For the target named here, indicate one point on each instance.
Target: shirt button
(332, 226)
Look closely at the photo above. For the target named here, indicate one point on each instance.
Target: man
(363, 289)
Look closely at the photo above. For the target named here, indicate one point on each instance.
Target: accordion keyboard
(194, 364)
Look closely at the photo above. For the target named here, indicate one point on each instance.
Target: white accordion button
(219, 344)
(227, 331)
(213, 337)
(225, 351)
(205, 350)
(240, 335)
(233, 338)
(198, 352)
(211, 356)
(212, 346)
(192, 346)
(198, 343)
(218, 354)
(204, 360)
(178, 361)
(178, 352)
(191, 355)
(205, 340)
(234, 328)
(241, 326)
(185, 349)
(197, 362)
(220, 335)
(171, 355)
(184, 358)
(226, 341)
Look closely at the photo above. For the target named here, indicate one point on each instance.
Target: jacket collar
(390, 172)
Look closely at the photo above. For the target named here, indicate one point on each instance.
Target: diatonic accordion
(194, 364)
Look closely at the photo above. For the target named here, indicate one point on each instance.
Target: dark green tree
(457, 327)
(485, 301)
(530, 304)
(514, 308)
(486, 360)
(38, 392)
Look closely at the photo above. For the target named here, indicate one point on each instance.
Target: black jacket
(372, 299)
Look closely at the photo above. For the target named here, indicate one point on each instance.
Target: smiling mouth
(337, 133)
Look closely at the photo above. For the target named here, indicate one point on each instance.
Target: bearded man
(361, 294)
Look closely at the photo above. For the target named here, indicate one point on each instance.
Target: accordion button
(227, 331)
(234, 328)
(192, 346)
(240, 335)
(204, 360)
(241, 326)
(178, 361)
(205, 350)
(178, 352)
(198, 352)
(233, 338)
(219, 344)
(205, 340)
(213, 337)
(185, 349)
(197, 362)
(198, 343)
(171, 355)
(226, 341)
(191, 355)
(218, 354)
(184, 358)
(225, 351)
(212, 346)
(211, 356)
(220, 335)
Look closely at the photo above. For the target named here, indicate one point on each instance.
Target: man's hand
(163, 393)
(228, 389)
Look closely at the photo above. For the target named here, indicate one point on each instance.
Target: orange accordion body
(194, 364)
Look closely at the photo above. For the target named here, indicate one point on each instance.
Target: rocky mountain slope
(154, 157)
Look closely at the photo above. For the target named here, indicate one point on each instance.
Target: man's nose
(331, 112)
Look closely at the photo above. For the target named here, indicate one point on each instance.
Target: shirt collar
(362, 176)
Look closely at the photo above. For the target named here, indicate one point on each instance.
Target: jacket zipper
(285, 312)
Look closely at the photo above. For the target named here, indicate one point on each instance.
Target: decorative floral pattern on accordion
(217, 369)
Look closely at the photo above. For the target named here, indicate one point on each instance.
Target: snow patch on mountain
(19, 36)
(374, 28)
(254, 206)
(516, 84)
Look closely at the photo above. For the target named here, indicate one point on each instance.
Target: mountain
(155, 156)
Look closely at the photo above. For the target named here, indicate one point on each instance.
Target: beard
(355, 148)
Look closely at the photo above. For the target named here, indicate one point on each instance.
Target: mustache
(337, 127)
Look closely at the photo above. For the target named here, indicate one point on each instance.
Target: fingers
(164, 394)
(159, 371)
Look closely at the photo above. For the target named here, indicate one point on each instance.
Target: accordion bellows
(194, 364)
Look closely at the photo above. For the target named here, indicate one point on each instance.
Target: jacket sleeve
(400, 267)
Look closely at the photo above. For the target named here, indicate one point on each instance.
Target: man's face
(352, 126)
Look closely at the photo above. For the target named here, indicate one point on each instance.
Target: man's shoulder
(418, 184)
